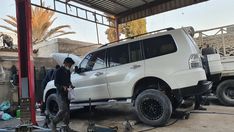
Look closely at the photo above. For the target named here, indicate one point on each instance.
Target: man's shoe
(186, 104)
(200, 108)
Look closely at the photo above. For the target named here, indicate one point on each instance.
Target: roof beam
(114, 1)
(85, 16)
(153, 8)
(88, 4)
(145, 1)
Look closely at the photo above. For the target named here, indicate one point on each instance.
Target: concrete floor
(116, 115)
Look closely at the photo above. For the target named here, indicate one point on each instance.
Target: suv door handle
(135, 66)
(98, 74)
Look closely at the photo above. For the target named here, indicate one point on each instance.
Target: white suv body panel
(174, 68)
(49, 86)
(90, 84)
(119, 81)
(188, 78)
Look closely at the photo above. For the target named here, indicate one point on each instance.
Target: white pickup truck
(224, 87)
(220, 70)
(223, 41)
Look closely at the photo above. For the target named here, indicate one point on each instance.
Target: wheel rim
(151, 109)
(53, 107)
(229, 92)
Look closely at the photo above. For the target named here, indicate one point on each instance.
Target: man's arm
(70, 83)
(57, 78)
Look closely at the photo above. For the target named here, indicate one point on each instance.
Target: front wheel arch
(52, 104)
(150, 83)
(49, 92)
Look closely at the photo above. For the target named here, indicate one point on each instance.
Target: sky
(210, 14)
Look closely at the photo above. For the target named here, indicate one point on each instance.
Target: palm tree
(128, 29)
(42, 21)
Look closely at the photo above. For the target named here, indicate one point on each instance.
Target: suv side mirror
(79, 70)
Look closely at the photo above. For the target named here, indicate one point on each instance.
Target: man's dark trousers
(64, 109)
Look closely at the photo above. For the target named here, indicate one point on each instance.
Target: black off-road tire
(52, 105)
(225, 91)
(153, 107)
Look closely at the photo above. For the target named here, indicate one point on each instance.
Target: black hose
(217, 113)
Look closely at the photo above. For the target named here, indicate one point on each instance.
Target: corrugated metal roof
(127, 10)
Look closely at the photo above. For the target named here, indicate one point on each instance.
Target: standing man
(63, 82)
(205, 51)
(208, 50)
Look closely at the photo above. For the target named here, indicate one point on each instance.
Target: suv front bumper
(201, 88)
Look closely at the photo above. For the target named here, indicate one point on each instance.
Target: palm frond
(55, 30)
(42, 21)
(8, 28)
(66, 33)
(12, 23)
(12, 18)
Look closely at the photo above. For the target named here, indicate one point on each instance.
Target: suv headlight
(195, 61)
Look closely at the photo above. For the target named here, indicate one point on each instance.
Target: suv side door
(125, 67)
(91, 82)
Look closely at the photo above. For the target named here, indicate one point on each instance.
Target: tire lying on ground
(52, 104)
(225, 92)
(153, 107)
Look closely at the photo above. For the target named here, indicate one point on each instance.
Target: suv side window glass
(135, 51)
(99, 60)
(118, 55)
(94, 61)
(84, 63)
(158, 46)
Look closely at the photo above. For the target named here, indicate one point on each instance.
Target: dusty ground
(216, 119)
(222, 121)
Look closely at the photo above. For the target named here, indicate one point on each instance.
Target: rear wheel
(153, 107)
(52, 105)
(225, 92)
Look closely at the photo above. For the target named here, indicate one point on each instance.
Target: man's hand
(72, 86)
(65, 88)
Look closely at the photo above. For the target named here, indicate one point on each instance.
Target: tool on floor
(92, 127)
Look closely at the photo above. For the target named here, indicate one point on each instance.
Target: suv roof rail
(103, 45)
(153, 32)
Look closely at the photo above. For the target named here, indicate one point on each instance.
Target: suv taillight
(195, 61)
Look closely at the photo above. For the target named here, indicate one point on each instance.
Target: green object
(18, 113)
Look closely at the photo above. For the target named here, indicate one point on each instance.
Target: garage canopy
(128, 10)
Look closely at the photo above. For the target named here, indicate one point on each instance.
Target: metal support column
(223, 42)
(201, 40)
(117, 29)
(26, 72)
(96, 20)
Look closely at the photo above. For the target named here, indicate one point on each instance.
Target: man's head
(57, 66)
(68, 62)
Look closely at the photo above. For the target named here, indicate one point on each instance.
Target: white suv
(154, 72)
